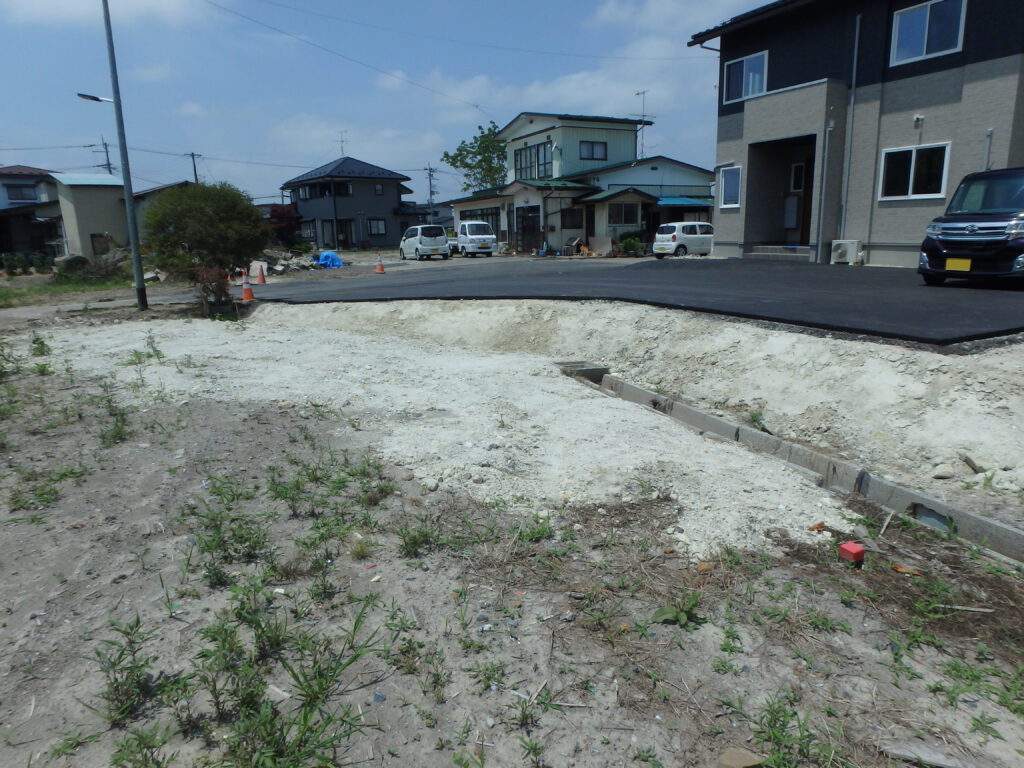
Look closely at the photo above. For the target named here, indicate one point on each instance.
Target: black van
(982, 232)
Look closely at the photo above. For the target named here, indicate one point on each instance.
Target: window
(930, 29)
(21, 192)
(378, 189)
(572, 218)
(620, 214)
(303, 193)
(593, 150)
(910, 172)
(307, 230)
(729, 196)
(491, 215)
(377, 226)
(534, 162)
(745, 77)
(705, 229)
(796, 177)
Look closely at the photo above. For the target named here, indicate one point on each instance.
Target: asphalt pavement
(876, 301)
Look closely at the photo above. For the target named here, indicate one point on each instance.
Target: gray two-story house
(350, 204)
(844, 126)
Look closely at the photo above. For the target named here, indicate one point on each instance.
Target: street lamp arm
(90, 97)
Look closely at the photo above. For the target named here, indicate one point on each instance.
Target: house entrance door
(528, 234)
(590, 221)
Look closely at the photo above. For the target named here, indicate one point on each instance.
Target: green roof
(608, 194)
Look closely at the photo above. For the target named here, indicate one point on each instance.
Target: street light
(126, 174)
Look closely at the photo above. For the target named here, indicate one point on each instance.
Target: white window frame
(739, 187)
(745, 96)
(371, 224)
(893, 62)
(940, 195)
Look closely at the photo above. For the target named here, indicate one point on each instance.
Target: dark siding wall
(362, 204)
(816, 42)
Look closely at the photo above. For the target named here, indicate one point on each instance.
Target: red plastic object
(852, 551)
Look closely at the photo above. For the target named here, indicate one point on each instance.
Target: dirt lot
(395, 535)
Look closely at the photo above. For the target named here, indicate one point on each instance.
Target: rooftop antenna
(341, 140)
(643, 116)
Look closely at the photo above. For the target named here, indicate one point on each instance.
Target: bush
(17, 263)
(42, 263)
(201, 231)
(630, 244)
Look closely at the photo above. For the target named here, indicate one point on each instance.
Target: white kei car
(679, 238)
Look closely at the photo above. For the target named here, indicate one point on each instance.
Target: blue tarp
(330, 260)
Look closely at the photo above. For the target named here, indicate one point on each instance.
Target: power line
(340, 55)
(40, 149)
(420, 34)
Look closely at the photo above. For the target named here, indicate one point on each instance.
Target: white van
(679, 238)
(476, 237)
(422, 242)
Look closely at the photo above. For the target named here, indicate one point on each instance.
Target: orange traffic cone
(380, 265)
(261, 279)
(246, 288)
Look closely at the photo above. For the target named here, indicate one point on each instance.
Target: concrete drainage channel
(827, 471)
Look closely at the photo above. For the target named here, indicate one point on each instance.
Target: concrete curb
(829, 472)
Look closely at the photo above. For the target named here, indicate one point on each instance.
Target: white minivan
(422, 242)
(476, 237)
(679, 238)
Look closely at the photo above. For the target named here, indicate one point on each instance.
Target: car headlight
(1018, 263)
(923, 260)
(934, 229)
(1015, 228)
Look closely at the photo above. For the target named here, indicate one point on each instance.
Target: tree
(481, 159)
(200, 231)
(284, 222)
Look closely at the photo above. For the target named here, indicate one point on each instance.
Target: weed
(126, 668)
(42, 369)
(362, 549)
(417, 536)
(983, 725)
(39, 346)
(532, 751)
(490, 675)
(682, 611)
(723, 666)
(540, 529)
(72, 740)
(757, 421)
(820, 621)
(647, 755)
(471, 760)
(142, 748)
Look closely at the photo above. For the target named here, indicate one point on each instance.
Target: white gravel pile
(501, 426)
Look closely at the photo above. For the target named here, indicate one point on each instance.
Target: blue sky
(252, 83)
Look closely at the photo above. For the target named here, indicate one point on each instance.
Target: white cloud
(192, 109)
(666, 15)
(90, 11)
(152, 74)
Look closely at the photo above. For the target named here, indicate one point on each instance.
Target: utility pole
(126, 173)
(106, 153)
(195, 174)
(430, 185)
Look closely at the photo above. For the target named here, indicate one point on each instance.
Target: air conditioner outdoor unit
(847, 252)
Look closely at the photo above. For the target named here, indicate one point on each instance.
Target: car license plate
(958, 265)
(434, 250)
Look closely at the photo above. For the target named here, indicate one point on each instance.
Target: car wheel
(419, 256)
(464, 254)
(444, 256)
(681, 250)
(659, 255)
(401, 252)
(934, 279)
